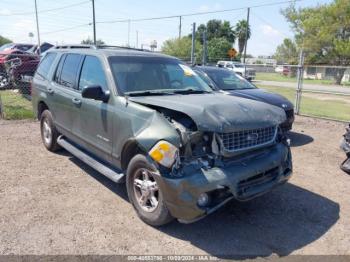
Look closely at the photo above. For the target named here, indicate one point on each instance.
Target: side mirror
(95, 92)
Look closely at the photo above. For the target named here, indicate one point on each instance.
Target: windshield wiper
(147, 93)
(190, 91)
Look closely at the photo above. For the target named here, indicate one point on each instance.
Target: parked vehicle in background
(150, 120)
(345, 145)
(283, 69)
(14, 66)
(18, 63)
(238, 68)
(16, 46)
(233, 84)
(43, 48)
(279, 69)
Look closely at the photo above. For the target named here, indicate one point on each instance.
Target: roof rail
(120, 47)
(99, 47)
(74, 46)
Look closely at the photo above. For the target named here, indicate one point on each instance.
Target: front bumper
(288, 124)
(241, 179)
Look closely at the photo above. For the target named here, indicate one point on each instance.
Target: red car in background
(18, 63)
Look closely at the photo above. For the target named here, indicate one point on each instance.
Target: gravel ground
(54, 204)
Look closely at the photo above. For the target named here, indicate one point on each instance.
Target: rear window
(46, 64)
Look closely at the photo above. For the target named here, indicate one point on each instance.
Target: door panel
(95, 123)
(64, 89)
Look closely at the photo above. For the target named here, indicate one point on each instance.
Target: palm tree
(241, 34)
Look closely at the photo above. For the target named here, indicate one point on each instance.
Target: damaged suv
(148, 120)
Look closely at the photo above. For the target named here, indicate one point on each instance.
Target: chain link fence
(324, 90)
(16, 71)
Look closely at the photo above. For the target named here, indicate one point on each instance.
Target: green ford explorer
(148, 120)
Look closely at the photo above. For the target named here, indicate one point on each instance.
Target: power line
(66, 29)
(47, 10)
(266, 22)
(195, 14)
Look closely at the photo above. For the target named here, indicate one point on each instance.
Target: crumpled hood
(263, 96)
(218, 112)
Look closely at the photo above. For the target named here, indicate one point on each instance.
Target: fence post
(300, 76)
(204, 58)
(193, 43)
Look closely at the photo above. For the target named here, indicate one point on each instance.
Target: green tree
(241, 34)
(89, 41)
(324, 33)
(216, 29)
(218, 48)
(181, 48)
(287, 52)
(4, 40)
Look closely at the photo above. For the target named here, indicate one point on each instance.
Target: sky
(73, 24)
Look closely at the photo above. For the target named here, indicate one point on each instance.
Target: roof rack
(72, 46)
(99, 47)
(120, 47)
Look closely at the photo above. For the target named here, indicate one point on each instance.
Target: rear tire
(49, 133)
(144, 192)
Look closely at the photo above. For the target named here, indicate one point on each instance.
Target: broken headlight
(164, 153)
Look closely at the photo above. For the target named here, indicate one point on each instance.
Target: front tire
(144, 192)
(49, 134)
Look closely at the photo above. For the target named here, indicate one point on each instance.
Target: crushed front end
(213, 168)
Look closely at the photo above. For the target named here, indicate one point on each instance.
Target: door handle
(76, 101)
(50, 90)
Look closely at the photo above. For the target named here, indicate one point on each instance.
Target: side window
(69, 70)
(92, 73)
(58, 69)
(45, 65)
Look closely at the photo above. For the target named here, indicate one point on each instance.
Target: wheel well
(131, 148)
(41, 108)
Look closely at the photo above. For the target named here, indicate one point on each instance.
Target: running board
(98, 166)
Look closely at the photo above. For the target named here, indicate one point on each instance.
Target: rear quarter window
(46, 64)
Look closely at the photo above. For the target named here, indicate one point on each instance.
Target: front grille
(246, 139)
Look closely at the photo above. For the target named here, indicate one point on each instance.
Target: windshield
(239, 65)
(228, 80)
(155, 75)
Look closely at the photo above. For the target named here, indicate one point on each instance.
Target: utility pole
(180, 25)
(204, 59)
(137, 39)
(129, 33)
(93, 20)
(193, 42)
(246, 41)
(37, 26)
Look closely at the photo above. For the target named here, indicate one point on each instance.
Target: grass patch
(281, 78)
(320, 105)
(15, 106)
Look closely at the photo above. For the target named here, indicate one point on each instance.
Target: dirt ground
(54, 204)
